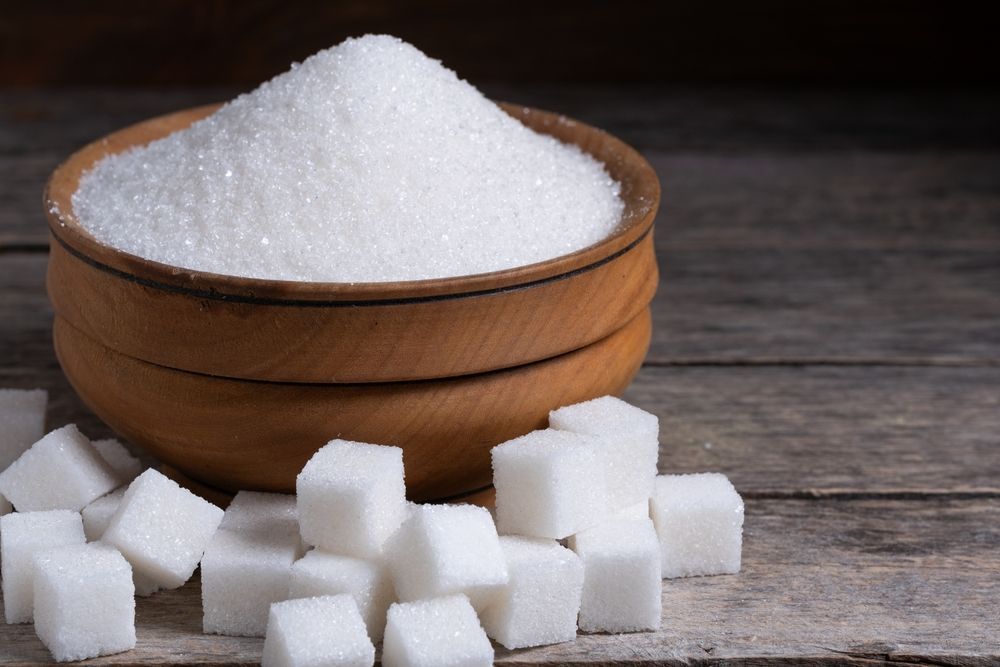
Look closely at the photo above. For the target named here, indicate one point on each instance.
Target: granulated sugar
(368, 162)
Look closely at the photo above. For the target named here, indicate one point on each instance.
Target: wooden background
(243, 42)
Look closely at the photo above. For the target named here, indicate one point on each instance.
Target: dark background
(229, 42)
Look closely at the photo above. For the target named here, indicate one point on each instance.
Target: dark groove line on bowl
(359, 303)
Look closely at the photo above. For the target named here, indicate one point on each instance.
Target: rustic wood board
(824, 581)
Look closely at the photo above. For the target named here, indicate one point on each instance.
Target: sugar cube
(22, 536)
(5, 506)
(639, 510)
(351, 497)
(631, 437)
(126, 466)
(251, 510)
(447, 549)
(96, 518)
(162, 529)
(699, 520)
(436, 632)
(621, 576)
(22, 422)
(369, 582)
(97, 515)
(84, 604)
(549, 484)
(62, 471)
(541, 600)
(317, 632)
(242, 573)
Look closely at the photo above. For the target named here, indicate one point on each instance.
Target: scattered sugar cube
(632, 438)
(84, 604)
(96, 518)
(699, 520)
(317, 632)
(430, 633)
(251, 510)
(351, 497)
(242, 573)
(22, 536)
(447, 549)
(62, 471)
(639, 510)
(126, 466)
(369, 582)
(97, 515)
(549, 484)
(22, 421)
(541, 600)
(621, 576)
(5, 506)
(162, 529)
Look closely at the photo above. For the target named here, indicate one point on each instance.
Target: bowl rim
(640, 193)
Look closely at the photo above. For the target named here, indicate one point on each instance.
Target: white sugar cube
(251, 510)
(96, 518)
(62, 471)
(351, 497)
(22, 536)
(431, 633)
(22, 421)
(447, 549)
(5, 506)
(639, 510)
(242, 573)
(631, 436)
(317, 632)
(84, 604)
(97, 515)
(369, 582)
(621, 576)
(549, 484)
(699, 520)
(541, 600)
(162, 529)
(126, 466)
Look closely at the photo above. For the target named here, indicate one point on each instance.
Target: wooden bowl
(236, 381)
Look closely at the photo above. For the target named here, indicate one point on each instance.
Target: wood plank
(823, 582)
(781, 430)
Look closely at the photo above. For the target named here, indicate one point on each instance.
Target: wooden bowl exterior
(351, 333)
(238, 434)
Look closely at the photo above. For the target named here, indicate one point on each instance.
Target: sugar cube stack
(541, 600)
(316, 632)
(549, 484)
(84, 604)
(22, 536)
(368, 582)
(621, 576)
(435, 633)
(242, 573)
(351, 497)
(631, 444)
(120, 459)
(162, 529)
(60, 471)
(22, 414)
(699, 520)
(445, 549)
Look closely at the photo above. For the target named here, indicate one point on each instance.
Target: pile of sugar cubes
(583, 533)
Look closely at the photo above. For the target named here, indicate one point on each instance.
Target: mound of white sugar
(368, 162)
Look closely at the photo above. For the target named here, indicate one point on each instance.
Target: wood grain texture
(823, 582)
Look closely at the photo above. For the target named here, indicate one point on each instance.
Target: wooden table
(827, 334)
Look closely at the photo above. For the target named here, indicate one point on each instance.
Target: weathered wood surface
(823, 582)
(827, 333)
